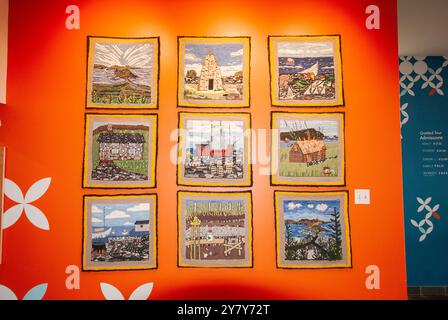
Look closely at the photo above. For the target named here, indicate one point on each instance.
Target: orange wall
(43, 129)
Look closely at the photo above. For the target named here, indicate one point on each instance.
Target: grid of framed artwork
(214, 150)
(120, 153)
(308, 150)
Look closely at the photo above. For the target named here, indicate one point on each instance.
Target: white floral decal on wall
(431, 212)
(36, 293)
(112, 293)
(430, 77)
(34, 214)
(405, 116)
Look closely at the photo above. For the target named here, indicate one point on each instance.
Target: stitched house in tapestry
(210, 78)
(308, 151)
(309, 146)
(120, 146)
(142, 226)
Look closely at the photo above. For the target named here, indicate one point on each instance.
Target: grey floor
(428, 293)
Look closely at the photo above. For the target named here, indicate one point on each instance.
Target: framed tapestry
(312, 230)
(306, 71)
(214, 150)
(214, 72)
(120, 232)
(122, 73)
(308, 149)
(120, 151)
(215, 229)
(2, 178)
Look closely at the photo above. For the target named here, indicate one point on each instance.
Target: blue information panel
(424, 120)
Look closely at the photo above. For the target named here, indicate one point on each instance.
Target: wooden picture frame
(120, 151)
(213, 72)
(116, 229)
(213, 244)
(312, 230)
(214, 149)
(308, 149)
(306, 71)
(122, 73)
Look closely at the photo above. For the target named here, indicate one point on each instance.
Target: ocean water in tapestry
(306, 71)
(122, 73)
(120, 232)
(312, 230)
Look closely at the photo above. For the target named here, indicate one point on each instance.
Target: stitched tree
(290, 245)
(336, 236)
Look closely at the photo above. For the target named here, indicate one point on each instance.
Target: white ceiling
(423, 27)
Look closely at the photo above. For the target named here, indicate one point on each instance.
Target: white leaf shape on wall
(37, 190)
(421, 201)
(430, 78)
(143, 292)
(36, 293)
(35, 215)
(424, 204)
(112, 293)
(404, 114)
(12, 215)
(13, 192)
(422, 207)
(7, 294)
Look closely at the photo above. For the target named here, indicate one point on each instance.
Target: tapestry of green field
(134, 166)
(288, 169)
(120, 94)
(121, 100)
(191, 92)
